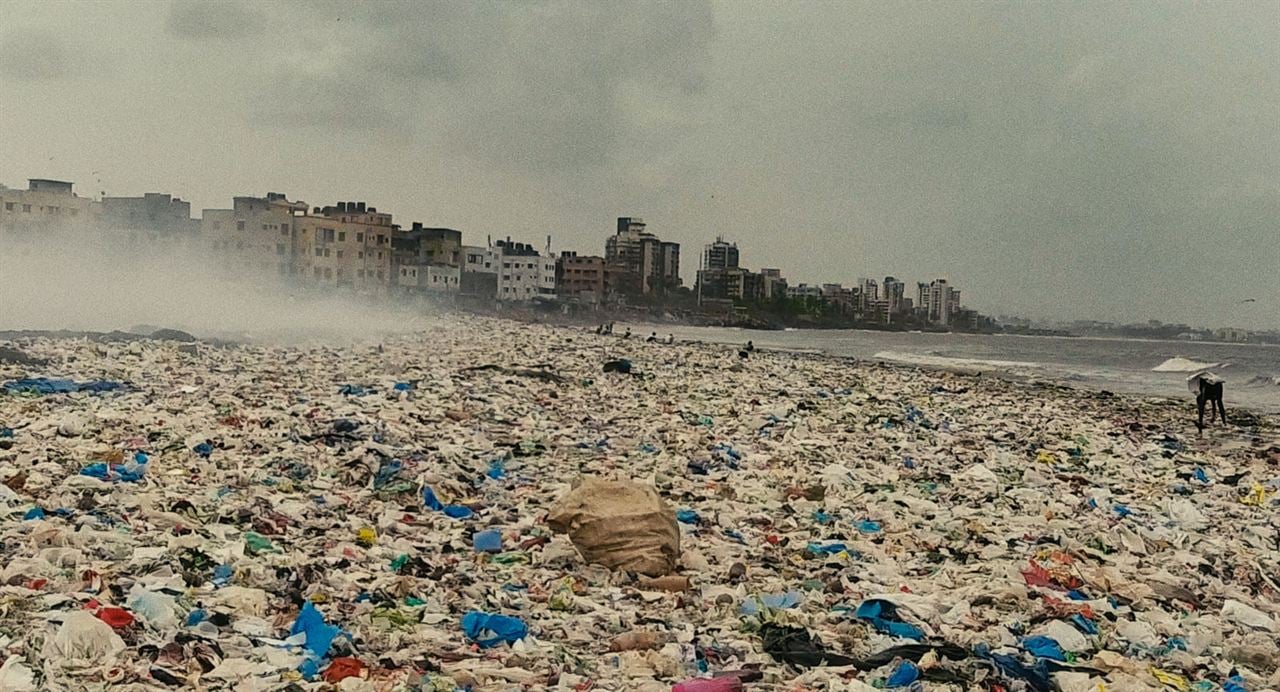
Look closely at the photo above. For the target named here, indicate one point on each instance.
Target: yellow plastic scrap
(366, 536)
(1173, 680)
(1044, 456)
(1257, 495)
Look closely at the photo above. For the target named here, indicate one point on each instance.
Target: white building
(524, 274)
(939, 302)
(432, 278)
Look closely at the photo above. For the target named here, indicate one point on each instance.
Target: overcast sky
(1054, 159)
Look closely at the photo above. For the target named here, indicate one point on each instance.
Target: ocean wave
(945, 362)
(1179, 364)
(1263, 381)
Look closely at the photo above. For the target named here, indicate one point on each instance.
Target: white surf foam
(1179, 364)
(945, 362)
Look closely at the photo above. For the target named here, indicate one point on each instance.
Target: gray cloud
(33, 55)
(541, 85)
(215, 19)
(1100, 159)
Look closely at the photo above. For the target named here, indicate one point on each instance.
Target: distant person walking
(1208, 390)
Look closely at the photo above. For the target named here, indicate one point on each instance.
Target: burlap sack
(619, 524)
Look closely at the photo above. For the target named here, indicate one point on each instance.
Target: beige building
(255, 236)
(45, 205)
(346, 245)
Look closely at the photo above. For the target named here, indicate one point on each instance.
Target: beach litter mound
(402, 515)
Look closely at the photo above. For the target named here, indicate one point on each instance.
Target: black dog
(1210, 392)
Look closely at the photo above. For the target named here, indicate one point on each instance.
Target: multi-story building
(480, 267)
(580, 279)
(720, 255)
(149, 217)
(937, 302)
(256, 237)
(735, 283)
(845, 299)
(45, 205)
(525, 274)
(868, 293)
(655, 263)
(893, 291)
(427, 259)
(346, 245)
(721, 277)
(804, 292)
(772, 285)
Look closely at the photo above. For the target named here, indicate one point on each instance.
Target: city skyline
(1083, 160)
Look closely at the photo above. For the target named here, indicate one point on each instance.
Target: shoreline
(1001, 370)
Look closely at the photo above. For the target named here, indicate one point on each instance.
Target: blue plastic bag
(319, 634)
(1044, 647)
(487, 541)
(903, 675)
(433, 503)
(753, 604)
(488, 630)
(884, 617)
(687, 516)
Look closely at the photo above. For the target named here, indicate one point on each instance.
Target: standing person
(671, 338)
(1208, 390)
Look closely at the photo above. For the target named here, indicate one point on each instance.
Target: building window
(342, 236)
(239, 225)
(279, 248)
(359, 254)
(8, 206)
(379, 254)
(506, 265)
(265, 227)
(326, 252)
(26, 208)
(284, 230)
(339, 254)
(319, 252)
(359, 237)
(379, 275)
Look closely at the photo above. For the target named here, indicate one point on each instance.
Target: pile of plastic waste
(413, 513)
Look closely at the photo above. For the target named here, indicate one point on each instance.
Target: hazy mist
(92, 280)
(1086, 159)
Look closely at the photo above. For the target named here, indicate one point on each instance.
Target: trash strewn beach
(375, 517)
